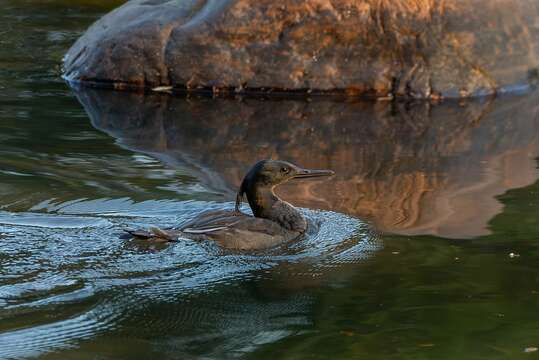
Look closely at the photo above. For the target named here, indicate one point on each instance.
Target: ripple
(14, 173)
(42, 292)
(51, 221)
(59, 261)
(63, 334)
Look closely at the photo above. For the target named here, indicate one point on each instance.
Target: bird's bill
(308, 173)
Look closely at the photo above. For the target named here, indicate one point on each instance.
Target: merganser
(274, 222)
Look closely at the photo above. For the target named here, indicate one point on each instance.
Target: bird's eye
(285, 170)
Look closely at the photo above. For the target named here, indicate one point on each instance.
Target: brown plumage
(275, 221)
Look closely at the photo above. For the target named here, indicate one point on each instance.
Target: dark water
(424, 244)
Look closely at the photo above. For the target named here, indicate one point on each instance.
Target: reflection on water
(411, 168)
(72, 176)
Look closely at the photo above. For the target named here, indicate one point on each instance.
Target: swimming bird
(274, 222)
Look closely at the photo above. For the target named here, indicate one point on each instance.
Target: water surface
(422, 246)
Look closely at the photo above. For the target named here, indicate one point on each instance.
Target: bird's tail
(153, 234)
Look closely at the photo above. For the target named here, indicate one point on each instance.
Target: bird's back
(235, 230)
(229, 229)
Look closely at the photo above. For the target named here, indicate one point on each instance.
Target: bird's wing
(212, 221)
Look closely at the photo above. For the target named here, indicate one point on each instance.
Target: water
(424, 245)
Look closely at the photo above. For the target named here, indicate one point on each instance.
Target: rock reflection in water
(412, 168)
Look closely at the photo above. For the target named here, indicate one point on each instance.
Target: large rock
(418, 48)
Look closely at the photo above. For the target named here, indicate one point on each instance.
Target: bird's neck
(266, 204)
